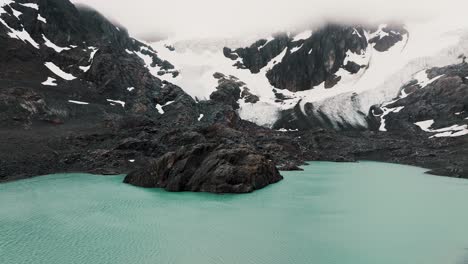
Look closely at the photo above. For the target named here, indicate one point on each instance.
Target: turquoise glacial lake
(356, 213)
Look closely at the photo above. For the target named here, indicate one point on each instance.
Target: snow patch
(356, 32)
(361, 58)
(296, 48)
(261, 113)
(201, 117)
(30, 5)
(423, 79)
(160, 107)
(122, 103)
(78, 102)
(53, 46)
(452, 131)
(387, 111)
(16, 13)
(379, 33)
(41, 18)
(130, 89)
(287, 130)
(57, 71)
(50, 82)
(154, 70)
(425, 125)
(22, 35)
(274, 61)
(269, 39)
(91, 59)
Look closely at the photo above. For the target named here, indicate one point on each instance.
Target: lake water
(355, 213)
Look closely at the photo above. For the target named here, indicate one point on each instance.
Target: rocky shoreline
(138, 147)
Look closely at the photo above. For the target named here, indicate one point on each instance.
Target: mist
(155, 19)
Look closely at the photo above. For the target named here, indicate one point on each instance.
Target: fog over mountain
(221, 18)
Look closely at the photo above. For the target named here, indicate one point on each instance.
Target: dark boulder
(208, 168)
(228, 90)
(249, 97)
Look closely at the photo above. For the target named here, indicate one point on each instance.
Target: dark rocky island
(118, 112)
(208, 168)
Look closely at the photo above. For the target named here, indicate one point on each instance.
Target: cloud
(227, 18)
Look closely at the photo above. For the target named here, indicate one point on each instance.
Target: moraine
(362, 213)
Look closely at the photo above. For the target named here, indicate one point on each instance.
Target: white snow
(41, 18)
(30, 5)
(148, 60)
(201, 117)
(358, 58)
(85, 68)
(22, 35)
(425, 125)
(379, 33)
(53, 46)
(94, 50)
(50, 82)
(16, 13)
(131, 161)
(356, 32)
(78, 102)
(261, 113)
(90, 60)
(276, 60)
(387, 111)
(303, 35)
(423, 79)
(268, 40)
(57, 71)
(287, 130)
(296, 48)
(4, 3)
(128, 51)
(160, 107)
(452, 131)
(130, 89)
(122, 103)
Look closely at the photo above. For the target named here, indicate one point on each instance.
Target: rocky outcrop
(440, 96)
(388, 36)
(228, 90)
(62, 53)
(208, 168)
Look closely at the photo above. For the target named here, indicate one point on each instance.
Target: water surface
(355, 213)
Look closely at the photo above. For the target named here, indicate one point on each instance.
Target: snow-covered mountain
(323, 77)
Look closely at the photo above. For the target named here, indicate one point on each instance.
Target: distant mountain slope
(435, 102)
(58, 62)
(328, 77)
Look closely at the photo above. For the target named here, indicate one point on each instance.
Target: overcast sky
(225, 18)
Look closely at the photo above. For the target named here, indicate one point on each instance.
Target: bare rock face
(208, 167)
